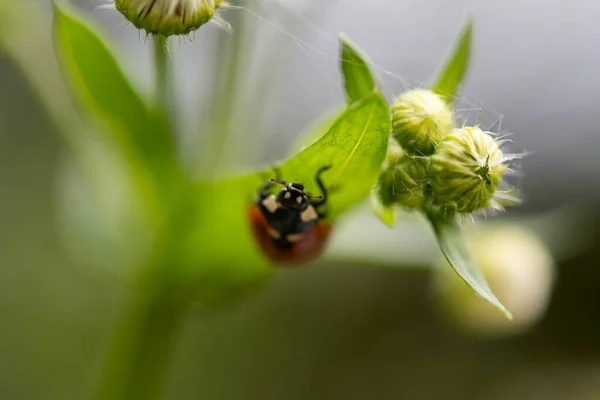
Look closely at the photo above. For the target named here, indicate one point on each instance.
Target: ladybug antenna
(278, 183)
(310, 196)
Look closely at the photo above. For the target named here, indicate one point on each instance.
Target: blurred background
(372, 319)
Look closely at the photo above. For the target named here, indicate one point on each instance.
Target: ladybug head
(293, 197)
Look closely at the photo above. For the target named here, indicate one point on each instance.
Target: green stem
(163, 83)
(231, 71)
(139, 360)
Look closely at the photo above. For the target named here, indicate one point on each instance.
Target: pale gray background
(536, 63)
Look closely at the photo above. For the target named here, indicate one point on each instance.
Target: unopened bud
(465, 170)
(168, 17)
(420, 120)
(404, 181)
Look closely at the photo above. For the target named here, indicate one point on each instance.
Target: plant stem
(225, 109)
(139, 360)
(163, 84)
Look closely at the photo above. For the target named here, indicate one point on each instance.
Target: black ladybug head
(293, 197)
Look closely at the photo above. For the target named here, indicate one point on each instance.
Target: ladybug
(290, 227)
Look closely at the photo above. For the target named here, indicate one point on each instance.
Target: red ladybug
(290, 226)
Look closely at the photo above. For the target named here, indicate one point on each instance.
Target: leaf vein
(358, 142)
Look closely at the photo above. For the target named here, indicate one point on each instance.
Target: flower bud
(393, 154)
(420, 120)
(168, 17)
(465, 171)
(404, 181)
(520, 271)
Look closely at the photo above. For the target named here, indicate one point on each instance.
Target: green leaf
(358, 82)
(456, 67)
(454, 247)
(354, 146)
(316, 129)
(385, 214)
(98, 81)
(358, 79)
(220, 240)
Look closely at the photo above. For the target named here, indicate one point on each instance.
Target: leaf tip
(469, 21)
(59, 6)
(346, 42)
(467, 29)
(343, 37)
(347, 45)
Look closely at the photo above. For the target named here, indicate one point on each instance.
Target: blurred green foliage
(178, 238)
(195, 225)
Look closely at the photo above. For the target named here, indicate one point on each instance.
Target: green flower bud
(465, 171)
(404, 182)
(168, 17)
(520, 271)
(420, 120)
(393, 154)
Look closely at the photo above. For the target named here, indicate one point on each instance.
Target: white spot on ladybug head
(287, 195)
(270, 203)
(299, 200)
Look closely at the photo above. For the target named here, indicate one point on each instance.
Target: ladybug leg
(323, 201)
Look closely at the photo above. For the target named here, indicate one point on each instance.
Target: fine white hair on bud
(465, 171)
(168, 17)
(420, 120)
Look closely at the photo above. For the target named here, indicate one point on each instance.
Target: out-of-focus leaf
(25, 42)
(454, 246)
(98, 81)
(358, 79)
(456, 67)
(101, 213)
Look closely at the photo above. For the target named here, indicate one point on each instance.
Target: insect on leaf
(354, 146)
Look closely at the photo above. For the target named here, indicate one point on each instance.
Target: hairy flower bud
(393, 154)
(420, 120)
(404, 181)
(465, 170)
(168, 17)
